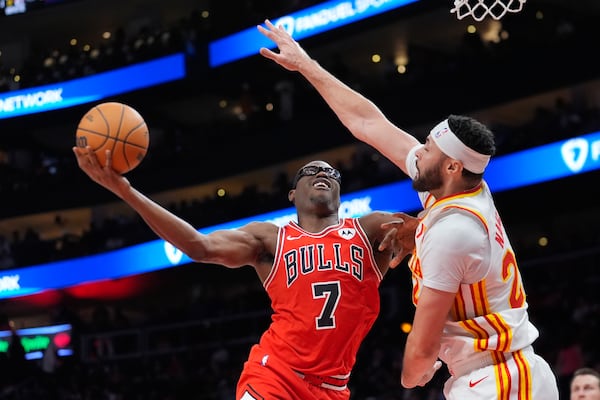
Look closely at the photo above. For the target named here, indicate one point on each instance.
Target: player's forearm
(354, 110)
(359, 115)
(165, 224)
(417, 364)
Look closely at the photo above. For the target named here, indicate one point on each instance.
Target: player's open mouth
(321, 183)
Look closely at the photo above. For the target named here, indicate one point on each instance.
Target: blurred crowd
(200, 350)
(492, 72)
(195, 348)
(363, 169)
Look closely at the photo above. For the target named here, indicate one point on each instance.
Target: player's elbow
(410, 375)
(193, 254)
(196, 251)
(206, 256)
(427, 352)
(358, 126)
(406, 383)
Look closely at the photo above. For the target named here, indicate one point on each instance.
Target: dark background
(531, 77)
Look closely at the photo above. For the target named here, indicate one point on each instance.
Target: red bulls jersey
(324, 290)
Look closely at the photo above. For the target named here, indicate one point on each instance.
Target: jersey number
(509, 270)
(509, 267)
(331, 291)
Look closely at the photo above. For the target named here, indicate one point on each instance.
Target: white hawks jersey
(461, 246)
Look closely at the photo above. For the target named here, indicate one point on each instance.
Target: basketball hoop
(480, 9)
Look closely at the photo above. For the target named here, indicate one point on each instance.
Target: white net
(480, 9)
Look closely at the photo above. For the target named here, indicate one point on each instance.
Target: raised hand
(291, 55)
(104, 176)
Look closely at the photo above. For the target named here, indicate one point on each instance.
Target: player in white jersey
(471, 310)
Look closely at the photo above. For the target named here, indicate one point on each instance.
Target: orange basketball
(119, 128)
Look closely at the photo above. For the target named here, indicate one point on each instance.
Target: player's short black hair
(473, 133)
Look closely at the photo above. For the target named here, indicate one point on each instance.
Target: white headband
(450, 145)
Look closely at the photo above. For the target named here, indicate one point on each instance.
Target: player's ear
(292, 196)
(453, 165)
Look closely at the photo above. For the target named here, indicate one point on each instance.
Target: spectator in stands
(322, 274)
(569, 359)
(7, 261)
(15, 366)
(585, 384)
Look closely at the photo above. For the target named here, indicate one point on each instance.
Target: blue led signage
(92, 88)
(301, 24)
(553, 161)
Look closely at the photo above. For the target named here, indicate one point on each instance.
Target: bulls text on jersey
(314, 258)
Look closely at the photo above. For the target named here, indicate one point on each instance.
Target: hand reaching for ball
(116, 127)
(104, 175)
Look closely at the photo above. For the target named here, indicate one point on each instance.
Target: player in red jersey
(322, 274)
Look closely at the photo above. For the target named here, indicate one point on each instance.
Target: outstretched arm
(361, 116)
(231, 248)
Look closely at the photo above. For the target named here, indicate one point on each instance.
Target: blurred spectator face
(585, 387)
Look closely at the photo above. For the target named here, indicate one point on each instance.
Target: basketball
(116, 127)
